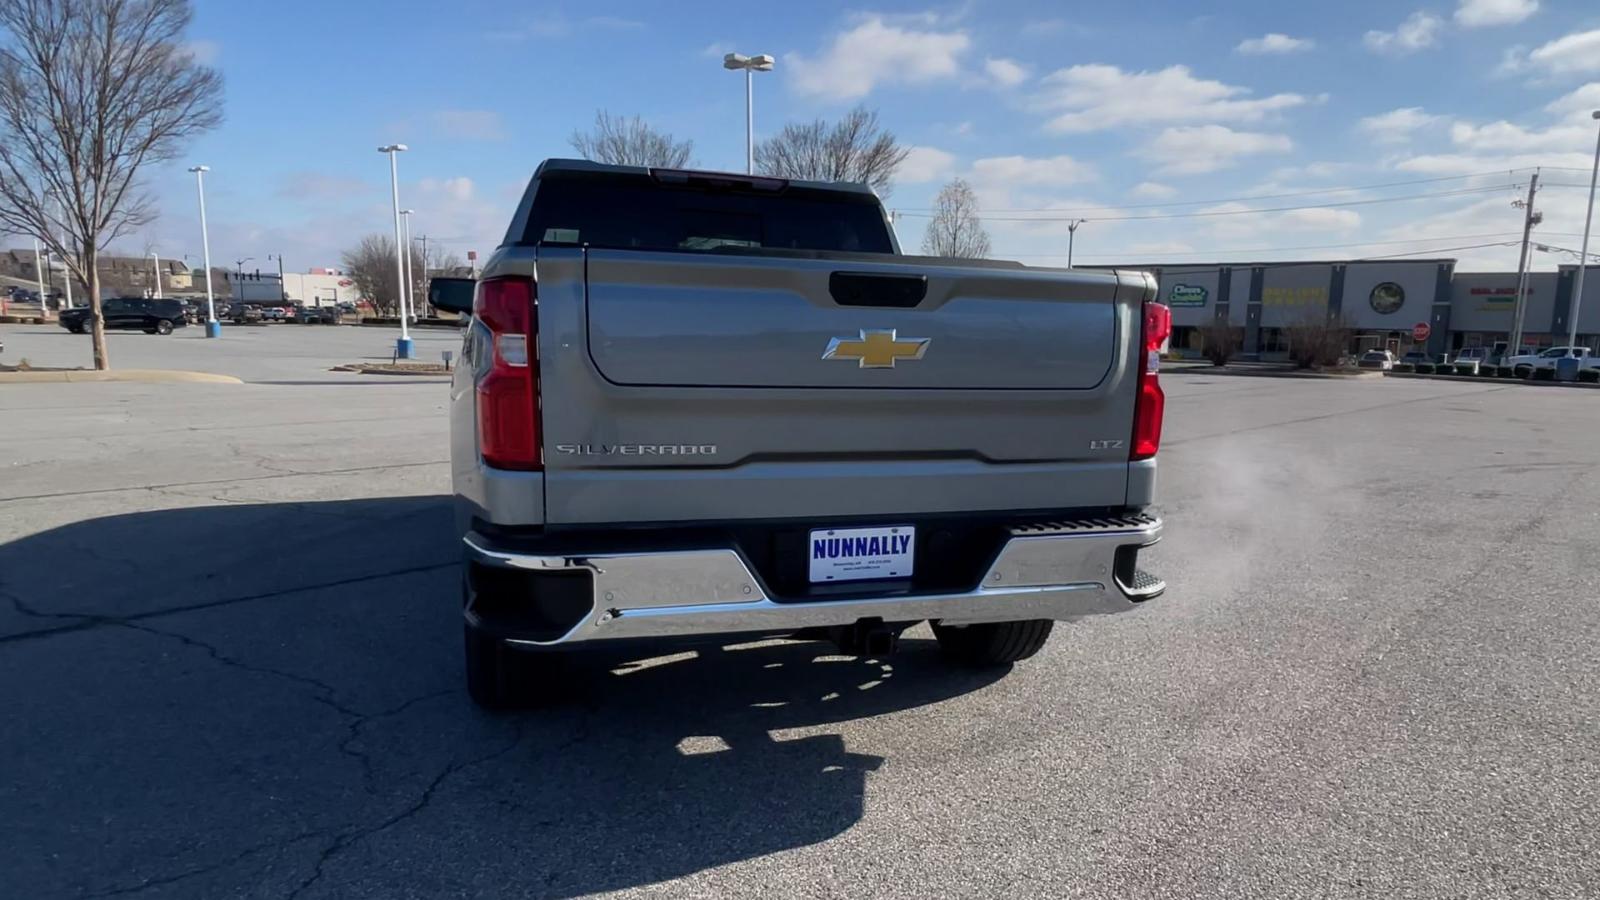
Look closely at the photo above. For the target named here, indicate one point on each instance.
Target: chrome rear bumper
(1063, 570)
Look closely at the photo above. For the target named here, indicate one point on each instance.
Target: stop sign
(1420, 331)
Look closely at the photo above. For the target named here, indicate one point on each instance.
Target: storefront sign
(1387, 298)
(1301, 296)
(1187, 295)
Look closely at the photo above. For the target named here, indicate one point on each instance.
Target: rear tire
(993, 643)
(163, 326)
(77, 329)
(502, 677)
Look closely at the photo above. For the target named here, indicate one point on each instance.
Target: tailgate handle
(877, 289)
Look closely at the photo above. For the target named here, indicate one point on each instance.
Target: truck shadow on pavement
(264, 699)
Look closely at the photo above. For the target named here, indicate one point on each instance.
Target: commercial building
(1381, 301)
(319, 287)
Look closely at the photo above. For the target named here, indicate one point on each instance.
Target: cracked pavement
(230, 649)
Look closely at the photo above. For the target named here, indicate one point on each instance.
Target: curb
(1267, 373)
(1482, 379)
(143, 376)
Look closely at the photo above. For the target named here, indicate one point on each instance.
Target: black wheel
(163, 326)
(76, 328)
(500, 676)
(993, 643)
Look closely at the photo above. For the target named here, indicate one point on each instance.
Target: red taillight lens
(508, 390)
(1151, 403)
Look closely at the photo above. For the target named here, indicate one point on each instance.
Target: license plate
(855, 554)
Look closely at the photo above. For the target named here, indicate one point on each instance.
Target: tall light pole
(750, 65)
(38, 272)
(402, 347)
(283, 286)
(213, 327)
(66, 270)
(410, 291)
(157, 257)
(1072, 233)
(1583, 251)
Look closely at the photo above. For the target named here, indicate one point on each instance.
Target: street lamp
(283, 286)
(750, 65)
(157, 257)
(238, 265)
(213, 327)
(402, 347)
(1583, 249)
(1072, 233)
(410, 291)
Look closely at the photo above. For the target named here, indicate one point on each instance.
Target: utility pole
(424, 240)
(1529, 219)
(1072, 232)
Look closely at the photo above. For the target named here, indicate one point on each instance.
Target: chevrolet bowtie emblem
(877, 348)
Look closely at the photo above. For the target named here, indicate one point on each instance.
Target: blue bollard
(213, 329)
(403, 349)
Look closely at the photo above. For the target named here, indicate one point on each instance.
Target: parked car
(146, 314)
(1416, 357)
(247, 314)
(1547, 358)
(1377, 359)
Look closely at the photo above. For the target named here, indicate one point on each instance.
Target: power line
(1216, 213)
(1245, 199)
(1242, 250)
(1196, 267)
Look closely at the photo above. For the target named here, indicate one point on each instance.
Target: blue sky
(1078, 110)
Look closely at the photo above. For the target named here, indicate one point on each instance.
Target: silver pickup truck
(696, 403)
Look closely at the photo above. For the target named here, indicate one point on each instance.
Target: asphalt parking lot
(229, 641)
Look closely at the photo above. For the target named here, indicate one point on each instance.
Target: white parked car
(1547, 359)
(1377, 359)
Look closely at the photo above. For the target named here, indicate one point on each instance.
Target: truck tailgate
(691, 386)
(710, 321)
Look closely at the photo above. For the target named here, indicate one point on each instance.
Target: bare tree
(1220, 341)
(90, 92)
(855, 149)
(371, 266)
(1317, 339)
(630, 142)
(955, 229)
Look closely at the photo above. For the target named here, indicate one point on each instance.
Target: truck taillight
(1151, 402)
(508, 389)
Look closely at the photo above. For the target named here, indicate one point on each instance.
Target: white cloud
(1099, 96)
(1579, 104)
(1418, 31)
(1471, 163)
(1480, 13)
(459, 189)
(716, 50)
(1274, 43)
(1575, 53)
(470, 124)
(875, 52)
(1397, 125)
(1005, 72)
(925, 164)
(1207, 148)
(964, 129)
(1153, 190)
(1010, 171)
(204, 52)
(1504, 136)
(1320, 220)
(1317, 170)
